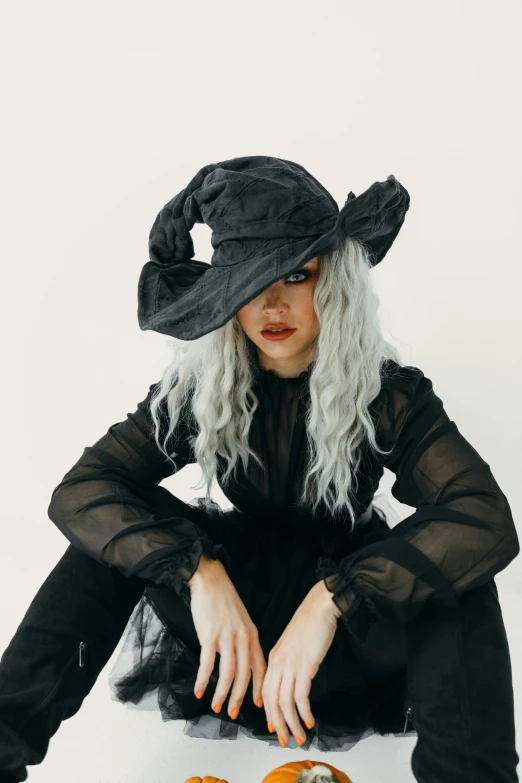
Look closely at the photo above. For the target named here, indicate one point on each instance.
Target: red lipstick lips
(281, 331)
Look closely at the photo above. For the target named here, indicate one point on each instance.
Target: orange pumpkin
(206, 779)
(289, 773)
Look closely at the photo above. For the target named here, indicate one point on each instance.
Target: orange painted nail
(299, 741)
(270, 728)
(234, 713)
(308, 725)
(281, 741)
(259, 702)
(199, 694)
(217, 707)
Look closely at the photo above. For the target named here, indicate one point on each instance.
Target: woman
(329, 624)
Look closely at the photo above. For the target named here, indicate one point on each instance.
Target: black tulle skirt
(272, 571)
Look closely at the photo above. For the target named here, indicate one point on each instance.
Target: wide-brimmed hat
(268, 216)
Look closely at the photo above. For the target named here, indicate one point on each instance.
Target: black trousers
(457, 662)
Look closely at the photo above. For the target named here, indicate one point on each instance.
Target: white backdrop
(109, 108)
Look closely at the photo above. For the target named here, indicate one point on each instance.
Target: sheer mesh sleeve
(461, 534)
(109, 506)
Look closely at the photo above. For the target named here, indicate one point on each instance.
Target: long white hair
(214, 374)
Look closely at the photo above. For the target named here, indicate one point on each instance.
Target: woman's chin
(280, 351)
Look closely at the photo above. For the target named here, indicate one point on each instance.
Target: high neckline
(269, 380)
(271, 374)
(273, 385)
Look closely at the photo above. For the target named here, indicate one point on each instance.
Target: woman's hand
(223, 625)
(294, 662)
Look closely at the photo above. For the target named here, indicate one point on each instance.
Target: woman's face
(289, 302)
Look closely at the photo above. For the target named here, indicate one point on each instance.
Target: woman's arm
(461, 534)
(109, 504)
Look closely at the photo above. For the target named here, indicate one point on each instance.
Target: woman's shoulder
(403, 387)
(401, 377)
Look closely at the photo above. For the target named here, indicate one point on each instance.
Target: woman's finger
(242, 672)
(227, 667)
(287, 705)
(274, 714)
(267, 695)
(207, 660)
(303, 686)
(259, 669)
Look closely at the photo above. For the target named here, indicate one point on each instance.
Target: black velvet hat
(268, 216)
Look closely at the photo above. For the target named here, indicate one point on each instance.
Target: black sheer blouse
(460, 535)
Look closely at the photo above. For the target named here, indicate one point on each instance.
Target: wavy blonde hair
(214, 376)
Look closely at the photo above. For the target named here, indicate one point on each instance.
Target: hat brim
(214, 294)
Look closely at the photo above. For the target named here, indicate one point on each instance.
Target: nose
(274, 296)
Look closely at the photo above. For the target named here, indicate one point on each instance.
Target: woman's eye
(304, 274)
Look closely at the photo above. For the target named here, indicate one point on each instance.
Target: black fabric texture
(111, 507)
(462, 533)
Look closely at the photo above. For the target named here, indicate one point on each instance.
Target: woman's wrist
(326, 597)
(206, 569)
